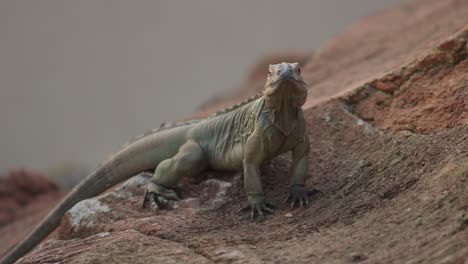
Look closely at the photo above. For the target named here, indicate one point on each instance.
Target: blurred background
(78, 78)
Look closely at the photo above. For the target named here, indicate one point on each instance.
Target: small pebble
(103, 234)
(289, 215)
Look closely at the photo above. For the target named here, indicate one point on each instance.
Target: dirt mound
(386, 117)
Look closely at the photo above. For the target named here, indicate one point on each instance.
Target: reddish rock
(431, 97)
(115, 248)
(18, 189)
(25, 198)
(386, 116)
(111, 211)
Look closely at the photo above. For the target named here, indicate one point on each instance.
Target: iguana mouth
(286, 89)
(285, 83)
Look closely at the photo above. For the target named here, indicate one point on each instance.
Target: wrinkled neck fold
(284, 101)
(284, 113)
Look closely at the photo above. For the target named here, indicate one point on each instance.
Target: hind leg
(189, 161)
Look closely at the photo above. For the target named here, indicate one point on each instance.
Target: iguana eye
(269, 72)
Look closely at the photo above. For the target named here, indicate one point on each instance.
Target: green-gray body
(223, 138)
(242, 138)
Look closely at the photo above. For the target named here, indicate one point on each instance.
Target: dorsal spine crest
(237, 106)
(169, 125)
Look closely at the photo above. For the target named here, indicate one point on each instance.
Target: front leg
(299, 167)
(253, 158)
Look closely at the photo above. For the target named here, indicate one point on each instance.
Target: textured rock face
(380, 44)
(115, 210)
(387, 119)
(129, 246)
(425, 96)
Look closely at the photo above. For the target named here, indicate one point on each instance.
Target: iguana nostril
(278, 72)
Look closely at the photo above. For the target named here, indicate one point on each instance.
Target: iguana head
(285, 86)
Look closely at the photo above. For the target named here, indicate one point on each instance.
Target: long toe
(260, 213)
(171, 195)
(293, 203)
(243, 209)
(267, 210)
(154, 202)
(313, 191)
(145, 199)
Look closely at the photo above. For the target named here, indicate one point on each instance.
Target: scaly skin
(242, 138)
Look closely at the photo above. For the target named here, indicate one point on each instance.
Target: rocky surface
(388, 121)
(25, 198)
(21, 188)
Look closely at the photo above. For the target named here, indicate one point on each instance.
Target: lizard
(241, 138)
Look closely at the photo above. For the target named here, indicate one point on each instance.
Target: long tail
(141, 155)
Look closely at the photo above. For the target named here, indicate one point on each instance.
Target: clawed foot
(257, 205)
(158, 196)
(300, 195)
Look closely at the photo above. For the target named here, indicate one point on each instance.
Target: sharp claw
(306, 201)
(145, 199)
(154, 201)
(156, 198)
(293, 203)
(260, 213)
(287, 198)
(313, 191)
(171, 195)
(258, 209)
(243, 209)
(267, 210)
(301, 203)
